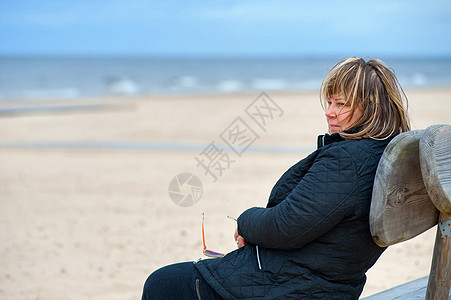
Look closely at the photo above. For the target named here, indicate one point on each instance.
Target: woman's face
(337, 114)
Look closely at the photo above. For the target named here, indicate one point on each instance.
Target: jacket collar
(326, 139)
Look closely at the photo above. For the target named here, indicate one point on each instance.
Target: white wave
(308, 85)
(182, 82)
(419, 79)
(122, 86)
(269, 84)
(229, 85)
(63, 93)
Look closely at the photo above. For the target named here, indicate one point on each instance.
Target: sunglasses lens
(212, 253)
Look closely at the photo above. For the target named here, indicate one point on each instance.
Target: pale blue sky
(226, 28)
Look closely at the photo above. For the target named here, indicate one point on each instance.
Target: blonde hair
(372, 87)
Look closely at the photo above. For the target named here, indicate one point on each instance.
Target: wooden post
(435, 161)
(440, 275)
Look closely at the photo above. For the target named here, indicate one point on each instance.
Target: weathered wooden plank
(400, 208)
(435, 162)
(415, 289)
(411, 290)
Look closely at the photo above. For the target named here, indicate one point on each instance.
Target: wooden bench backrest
(412, 193)
(401, 207)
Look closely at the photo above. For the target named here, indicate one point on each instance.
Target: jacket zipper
(258, 258)
(197, 289)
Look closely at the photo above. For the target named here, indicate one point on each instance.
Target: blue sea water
(74, 77)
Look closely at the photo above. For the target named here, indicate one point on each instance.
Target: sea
(34, 78)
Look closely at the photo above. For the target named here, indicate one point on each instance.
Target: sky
(409, 28)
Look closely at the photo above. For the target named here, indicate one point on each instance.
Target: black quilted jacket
(312, 241)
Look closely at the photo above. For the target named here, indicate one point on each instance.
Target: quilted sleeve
(280, 190)
(324, 196)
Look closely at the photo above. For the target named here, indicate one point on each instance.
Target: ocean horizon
(67, 77)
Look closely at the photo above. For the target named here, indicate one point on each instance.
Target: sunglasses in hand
(207, 252)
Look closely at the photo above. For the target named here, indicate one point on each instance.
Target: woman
(312, 241)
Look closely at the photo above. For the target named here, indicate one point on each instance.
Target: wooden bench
(412, 193)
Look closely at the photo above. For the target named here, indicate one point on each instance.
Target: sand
(85, 209)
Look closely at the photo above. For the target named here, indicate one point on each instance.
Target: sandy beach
(85, 205)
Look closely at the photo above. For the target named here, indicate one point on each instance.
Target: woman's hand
(240, 241)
